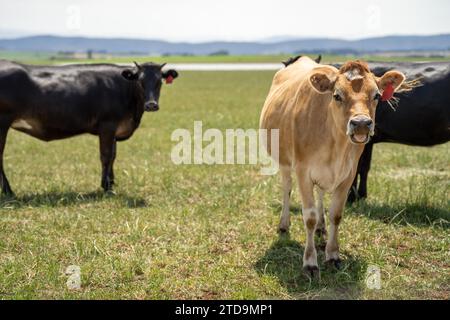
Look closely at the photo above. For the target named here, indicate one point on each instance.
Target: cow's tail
(410, 85)
(407, 86)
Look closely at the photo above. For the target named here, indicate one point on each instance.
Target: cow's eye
(377, 96)
(337, 97)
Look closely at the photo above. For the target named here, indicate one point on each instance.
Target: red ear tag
(169, 79)
(388, 93)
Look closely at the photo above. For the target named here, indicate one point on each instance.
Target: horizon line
(268, 40)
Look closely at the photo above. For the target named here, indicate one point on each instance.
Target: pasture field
(210, 232)
(48, 58)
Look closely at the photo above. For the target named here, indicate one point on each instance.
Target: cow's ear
(393, 78)
(322, 81)
(170, 73)
(390, 82)
(129, 74)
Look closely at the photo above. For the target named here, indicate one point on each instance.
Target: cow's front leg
(336, 208)
(4, 127)
(286, 181)
(111, 171)
(107, 140)
(310, 219)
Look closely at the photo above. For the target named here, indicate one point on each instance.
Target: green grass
(210, 231)
(47, 58)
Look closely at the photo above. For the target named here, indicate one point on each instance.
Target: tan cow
(325, 116)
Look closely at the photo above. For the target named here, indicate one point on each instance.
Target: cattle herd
(328, 117)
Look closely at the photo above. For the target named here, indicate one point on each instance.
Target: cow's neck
(137, 102)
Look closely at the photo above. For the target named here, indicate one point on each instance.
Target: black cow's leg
(107, 140)
(353, 193)
(364, 167)
(6, 189)
(111, 171)
(356, 193)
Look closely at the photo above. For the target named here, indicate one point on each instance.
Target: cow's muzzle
(151, 106)
(360, 129)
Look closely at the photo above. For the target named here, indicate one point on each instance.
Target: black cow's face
(150, 77)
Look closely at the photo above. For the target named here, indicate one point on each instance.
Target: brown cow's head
(356, 92)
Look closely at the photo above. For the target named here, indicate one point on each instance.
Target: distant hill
(140, 46)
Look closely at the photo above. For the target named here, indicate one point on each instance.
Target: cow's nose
(152, 106)
(361, 122)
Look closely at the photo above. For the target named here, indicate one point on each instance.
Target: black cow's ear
(172, 73)
(169, 75)
(129, 74)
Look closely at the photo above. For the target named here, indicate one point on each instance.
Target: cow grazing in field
(325, 116)
(51, 103)
(420, 118)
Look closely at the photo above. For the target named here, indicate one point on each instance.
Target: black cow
(292, 60)
(421, 117)
(59, 102)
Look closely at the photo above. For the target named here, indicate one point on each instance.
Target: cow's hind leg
(310, 219)
(321, 229)
(356, 193)
(6, 189)
(286, 181)
(353, 193)
(107, 140)
(364, 168)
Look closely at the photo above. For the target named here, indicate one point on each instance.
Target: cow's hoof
(336, 263)
(8, 194)
(351, 198)
(283, 230)
(312, 272)
(107, 188)
(107, 185)
(109, 191)
(283, 227)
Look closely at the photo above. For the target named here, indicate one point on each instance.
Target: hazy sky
(201, 20)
